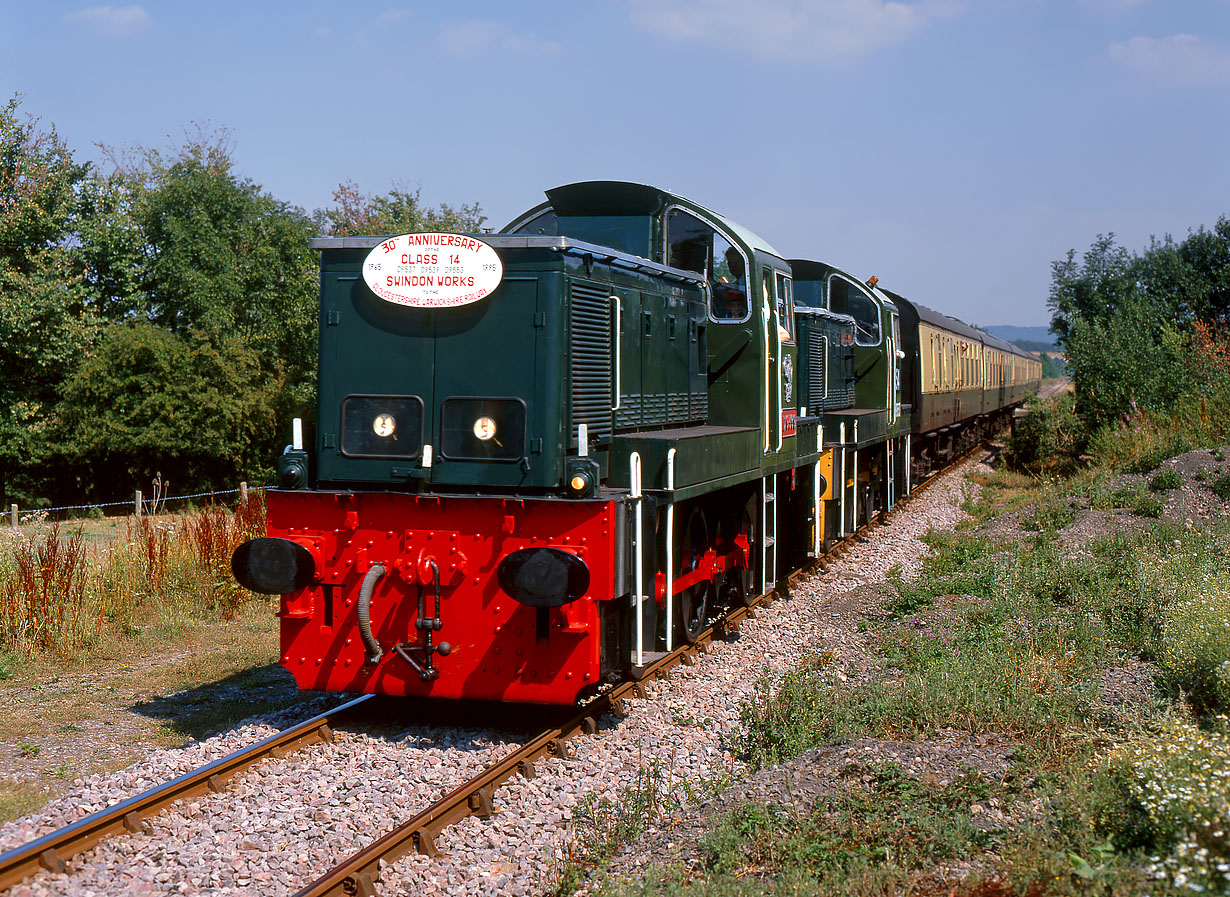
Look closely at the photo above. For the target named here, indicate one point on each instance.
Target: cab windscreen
(474, 429)
(382, 426)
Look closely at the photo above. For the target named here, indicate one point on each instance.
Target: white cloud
(1178, 59)
(820, 31)
(113, 21)
(484, 35)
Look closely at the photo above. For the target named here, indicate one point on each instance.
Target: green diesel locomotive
(544, 456)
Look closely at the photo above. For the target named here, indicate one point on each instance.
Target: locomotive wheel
(737, 586)
(692, 611)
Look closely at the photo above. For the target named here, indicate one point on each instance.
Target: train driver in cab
(730, 286)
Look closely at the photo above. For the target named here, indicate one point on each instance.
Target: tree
(47, 321)
(1125, 320)
(1052, 367)
(197, 407)
(1093, 290)
(400, 211)
(1135, 358)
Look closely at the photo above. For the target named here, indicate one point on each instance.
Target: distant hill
(1020, 335)
(1031, 345)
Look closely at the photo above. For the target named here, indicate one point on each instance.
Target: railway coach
(543, 457)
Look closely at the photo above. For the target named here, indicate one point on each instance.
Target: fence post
(13, 515)
(243, 493)
(137, 505)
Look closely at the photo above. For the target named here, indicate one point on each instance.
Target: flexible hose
(374, 653)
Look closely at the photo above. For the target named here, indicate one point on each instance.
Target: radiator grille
(678, 407)
(629, 413)
(700, 406)
(817, 370)
(653, 410)
(591, 358)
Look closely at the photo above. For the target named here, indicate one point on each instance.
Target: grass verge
(1111, 669)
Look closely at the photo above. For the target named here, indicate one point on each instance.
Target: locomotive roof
(519, 241)
(811, 269)
(628, 198)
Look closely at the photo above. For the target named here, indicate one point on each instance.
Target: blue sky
(953, 148)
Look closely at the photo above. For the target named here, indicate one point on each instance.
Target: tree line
(158, 312)
(1145, 340)
(1136, 327)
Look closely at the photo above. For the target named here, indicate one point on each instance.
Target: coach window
(846, 297)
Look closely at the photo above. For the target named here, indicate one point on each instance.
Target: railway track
(358, 874)
(53, 851)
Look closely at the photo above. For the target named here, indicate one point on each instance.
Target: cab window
(848, 298)
(693, 245)
(785, 307)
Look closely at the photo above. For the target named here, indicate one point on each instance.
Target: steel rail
(52, 851)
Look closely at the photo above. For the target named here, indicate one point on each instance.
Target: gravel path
(282, 824)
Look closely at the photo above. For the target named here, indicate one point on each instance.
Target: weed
(606, 824)
(1048, 513)
(214, 535)
(1166, 480)
(18, 799)
(61, 598)
(1195, 650)
(1135, 498)
(879, 836)
(1151, 458)
(1176, 783)
(29, 750)
(42, 601)
(1221, 486)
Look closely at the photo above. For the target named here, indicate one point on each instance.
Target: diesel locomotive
(542, 457)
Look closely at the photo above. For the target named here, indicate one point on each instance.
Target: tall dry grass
(43, 604)
(64, 597)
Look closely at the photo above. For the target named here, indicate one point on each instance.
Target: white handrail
(819, 512)
(767, 404)
(781, 426)
(670, 551)
(841, 530)
(638, 563)
(618, 349)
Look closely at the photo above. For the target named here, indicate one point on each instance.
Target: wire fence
(139, 504)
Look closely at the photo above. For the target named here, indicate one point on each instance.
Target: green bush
(784, 719)
(1196, 646)
(1221, 486)
(1050, 436)
(1166, 480)
(1135, 498)
(1151, 459)
(1050, 512)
